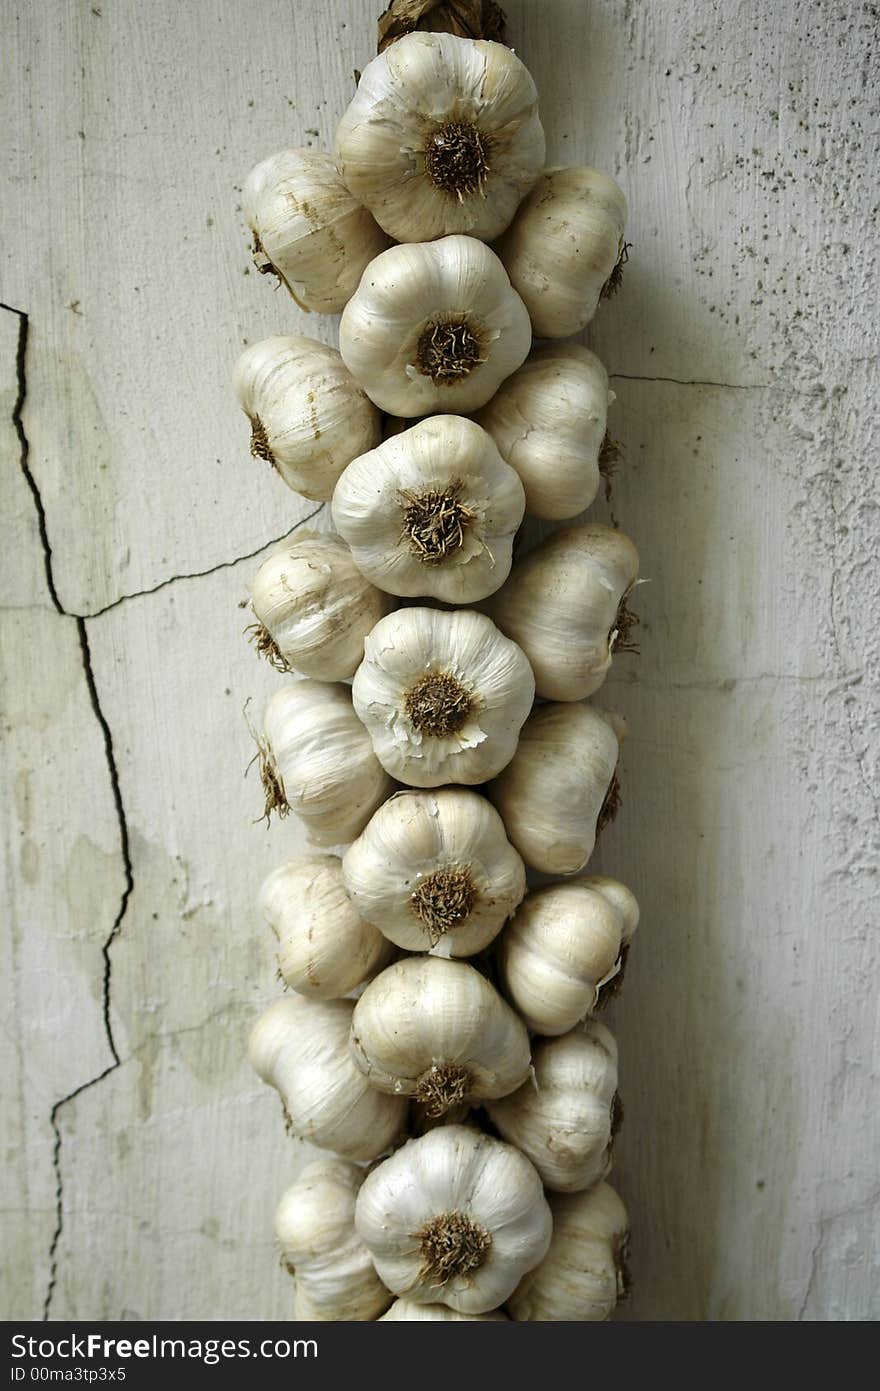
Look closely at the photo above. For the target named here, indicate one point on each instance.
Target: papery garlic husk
(443, 135)
(309, 229)
(560, 787)
(300, 1047)
(565, 605)
(432, 511)
(563, 945)
(563, 1118)
(314, 608)
(443, 696)
(325, 948)
(317, 761)
(309, 417)
(454, 1218)
(435, 870)
(407, 1310)
(437, 1030)
(563, 246)
(549, 421)
(434, 327)
(314, 1228)
(584, 1273)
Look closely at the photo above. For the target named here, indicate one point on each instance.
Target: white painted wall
(142, 1159)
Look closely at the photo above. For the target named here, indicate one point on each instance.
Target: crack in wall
(212, 570)
(24, 461)
(113, 772)
(112, 768)
(681, 381)
(24, 445)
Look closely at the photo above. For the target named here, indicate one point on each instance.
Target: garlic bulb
(437, 1030)
(325, 949)
(442, 136)
(408, 1310)
(317, 760)
(314, 608)
(309, 418)
(549, 420)
(584, 1272)
(314, 1227)
(443, 696)
(565, 605)
(435, 870)
(564, 1119)
(434, 327)
(564, 943)
(299, 1047)
(454, 1218)
(432, 511)
(560, 788)
(308, 228)
(563, 247)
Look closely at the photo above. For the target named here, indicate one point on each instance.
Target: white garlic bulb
(317, 760)
(300, 1047)
(442, 136)
(565, 605)
(435, 870)
(309, 418)
(564, 1119)
(433, 510)
(560, 787)
(314, 608)
(325, 948)
(314, 1227)
(443, 696)
(564, 943)
(454, 1218)
(584, 1273)
(563, 246)
(407, 1310)
(437, 1030)
(308, 228)
(549, 422)
(434, 327)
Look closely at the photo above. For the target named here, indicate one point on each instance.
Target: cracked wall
(143, 1162)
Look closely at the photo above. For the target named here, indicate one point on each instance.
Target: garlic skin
(299, 1047)
(443, 696)
(309, 418)
(443, 135)
(454, 1218)
(435, 870)
(433, 511)
(560, 787)
(565, 605)
(325, 949)
(314, 1228)
(407, 1310)
(437, 1030)
(309, 229)
(563, 246)
(317, 761)
(314, 608)
(434, 327)
(563, 945)
(583, 1275)
(563, 1119)
(549, 420)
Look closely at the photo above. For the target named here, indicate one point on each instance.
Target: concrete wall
(143, 1160)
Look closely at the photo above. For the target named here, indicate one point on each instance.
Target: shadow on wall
(677, 840)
